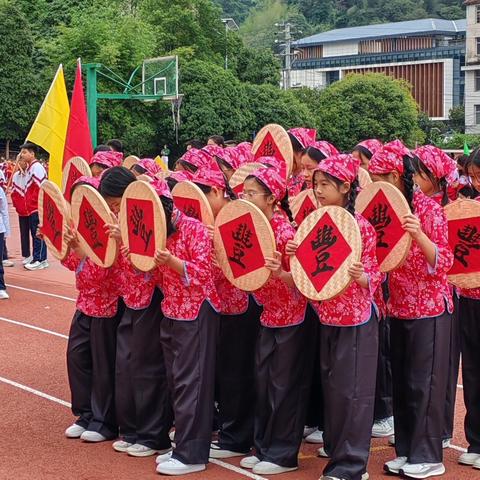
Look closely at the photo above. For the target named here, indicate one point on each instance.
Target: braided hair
(167, 204)
(420, 168)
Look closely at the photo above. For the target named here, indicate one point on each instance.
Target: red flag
(78, 141)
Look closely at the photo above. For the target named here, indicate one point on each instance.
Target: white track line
(235, 469)
(35, 392)
(225, 465)
(33, 327)
(42, 293)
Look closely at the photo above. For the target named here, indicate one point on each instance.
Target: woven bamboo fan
(329, 241)
(54, 217)
(236, 182)
(75, 168)
(90, 214)
(143, 225)
(273, 141)
(363, 178)
(130, 161)
(383, 205)
(464, 239)
(189, 199)
(302, 205)
(243, 238)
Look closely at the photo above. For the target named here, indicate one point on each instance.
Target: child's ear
(345, 188)
(270, 200)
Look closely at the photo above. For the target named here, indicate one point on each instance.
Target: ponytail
(285, 206)
(167, 204)
(442, 183)
(408, 184)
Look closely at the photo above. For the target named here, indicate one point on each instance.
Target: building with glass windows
(472, 68)
(428, 53)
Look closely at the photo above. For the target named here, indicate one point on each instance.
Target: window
(477, 12)
(478, 45)
(477, 80)
(477, 114)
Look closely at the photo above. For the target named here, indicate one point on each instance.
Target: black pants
(469, 316)
(141, 393)
(236, 378)
(189, 350)
(420, 369)
(4, 255)
(453, 368)
(383, 390)
(91, 372)
(284, 369)
(24, 225)
(39, 246)
(349, 358)
(315, 400)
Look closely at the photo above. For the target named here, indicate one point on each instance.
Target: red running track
(35, 395)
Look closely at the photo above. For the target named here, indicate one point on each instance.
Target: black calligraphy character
(242, 240)
(51, 220)
(91, 225)
(380, 220)
(320, 245)
(139, 227)
(268, 150)
(469, 237)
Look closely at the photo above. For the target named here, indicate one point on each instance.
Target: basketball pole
(92, 72)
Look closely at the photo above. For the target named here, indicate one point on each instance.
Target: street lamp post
(230, 24)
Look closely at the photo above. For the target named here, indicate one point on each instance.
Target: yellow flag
(161, 162)
(49, 129)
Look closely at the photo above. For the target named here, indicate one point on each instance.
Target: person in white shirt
(4, 232)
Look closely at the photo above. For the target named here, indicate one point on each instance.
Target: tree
(456, 118)
(19, 96)
(367, 106)
(269, 104)
(258, 66)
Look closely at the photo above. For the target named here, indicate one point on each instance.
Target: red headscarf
(388, 158)
(107, 159)
(325, 148)
(150, 165)
(181, 176)
(92, 181)
(305, 136)
(197, 158)
(161, 187)
(438, 162)
(342, 166)
(272, 180)
(210, 178)
(212, 150)
(372, 145)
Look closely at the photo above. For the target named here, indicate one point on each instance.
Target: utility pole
(229, 25)
(288, 52)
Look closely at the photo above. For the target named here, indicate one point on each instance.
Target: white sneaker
(422, 470)
(44, 264)
(121, 445)
(383, 428)
(476, 464)
(8, 263)
(27, 260)
(138, 450)
(249, 462)
(73, 431)
(394, 466)
(391, 440)
(308, 431)
(163, 457)
(93, 437)
(176, 467)
(217, 452)
(365, 476)
(446, 443)
(269, 468)
(468, 458)
(315, 437)
(322, 453)
(4, 295)
(33, 265)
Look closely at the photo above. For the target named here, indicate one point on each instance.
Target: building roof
(411, 28)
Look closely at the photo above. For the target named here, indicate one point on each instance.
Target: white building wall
(312, 78)
(472, 61)
(339, 49)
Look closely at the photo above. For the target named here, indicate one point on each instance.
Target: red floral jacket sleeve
(283, 306)
(416, 289)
